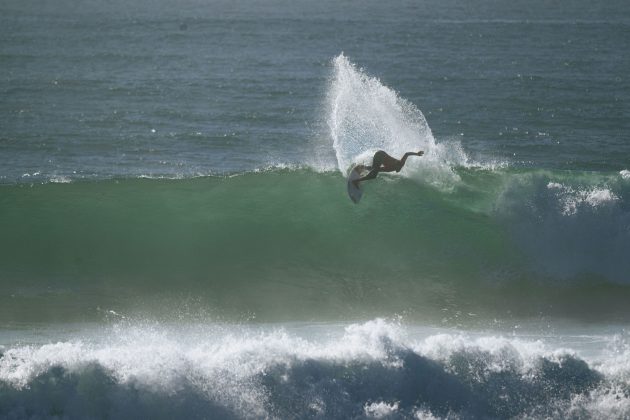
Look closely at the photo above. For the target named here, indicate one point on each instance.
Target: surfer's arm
(406, 155)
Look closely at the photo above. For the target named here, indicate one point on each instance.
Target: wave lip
(573, 199)
(373, 369)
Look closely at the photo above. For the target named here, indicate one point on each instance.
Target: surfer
(382, 162)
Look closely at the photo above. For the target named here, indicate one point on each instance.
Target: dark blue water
(106, 89)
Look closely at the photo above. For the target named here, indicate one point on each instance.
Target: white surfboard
(355, 193)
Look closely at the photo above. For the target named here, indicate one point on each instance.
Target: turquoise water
(177, 241)
(286, 244)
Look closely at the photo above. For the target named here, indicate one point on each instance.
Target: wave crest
(233, 372)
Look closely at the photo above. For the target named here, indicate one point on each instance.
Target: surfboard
(355, 193)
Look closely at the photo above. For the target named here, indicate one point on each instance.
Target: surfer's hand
(420, 153)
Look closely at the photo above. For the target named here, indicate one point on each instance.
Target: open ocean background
(176, 240)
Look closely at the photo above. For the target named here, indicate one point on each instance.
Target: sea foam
(374, 369)
(571, 199)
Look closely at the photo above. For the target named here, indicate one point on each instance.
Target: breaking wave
(289, 242)
(370, 370)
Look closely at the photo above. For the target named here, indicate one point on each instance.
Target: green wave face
(289, 244)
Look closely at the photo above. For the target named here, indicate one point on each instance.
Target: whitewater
(374, 369)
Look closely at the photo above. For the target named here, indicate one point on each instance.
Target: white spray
(366, 116)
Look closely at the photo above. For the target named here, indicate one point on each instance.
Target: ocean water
(176, 240)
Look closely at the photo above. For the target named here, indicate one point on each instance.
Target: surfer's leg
(371, 175)
(380, 163)
(378, 159)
